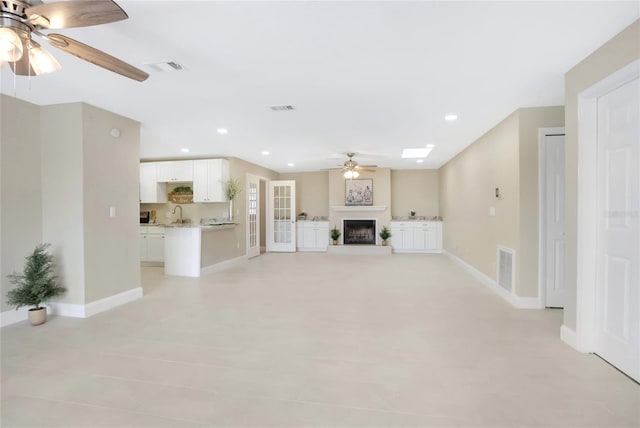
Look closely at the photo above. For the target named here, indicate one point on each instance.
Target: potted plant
(412, 214)
(335, 235)
(36, 285)
(302, 215)
(232, 188)
(385, 234)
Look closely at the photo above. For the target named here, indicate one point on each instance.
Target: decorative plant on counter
(385, 234)
(412, 213)
(335, 235)
(302, 215)
(232, 187)
(36, 285)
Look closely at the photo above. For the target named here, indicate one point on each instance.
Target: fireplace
(359, 232)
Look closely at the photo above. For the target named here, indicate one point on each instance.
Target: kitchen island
(192, 250)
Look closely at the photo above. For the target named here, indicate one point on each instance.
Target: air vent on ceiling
(165, 66)
(506, 268)
(287, 107)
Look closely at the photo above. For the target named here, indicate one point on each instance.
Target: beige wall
(20, 184)
(612, 56)
(467, 185)
(62, 194)
(505, 157)
(414, 190)
(110, 175)
(69, 171)
(312, 192)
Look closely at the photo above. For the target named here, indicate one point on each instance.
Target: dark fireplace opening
(359, 232)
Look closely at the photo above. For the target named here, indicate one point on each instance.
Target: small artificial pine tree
(36, 284)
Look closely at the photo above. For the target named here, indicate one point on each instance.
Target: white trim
(359, 207)
(569, 337)
(542, 226)
(97, 306)
(516, 301)
(75, 310)
(587, 193)
(380, 250)
(13, 316)
(226, 264)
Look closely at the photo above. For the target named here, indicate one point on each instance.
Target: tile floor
(296, 340)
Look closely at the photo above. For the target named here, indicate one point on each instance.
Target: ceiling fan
(351, 169)
(21, 19)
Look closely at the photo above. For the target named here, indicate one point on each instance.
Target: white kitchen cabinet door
(312, 235)
(209, 177)
(151, 191)
(175, 171)
(144, 248)
(155, 248)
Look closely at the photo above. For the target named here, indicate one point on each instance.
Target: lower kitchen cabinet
(416, 236)
(152, 244)
(312, 235)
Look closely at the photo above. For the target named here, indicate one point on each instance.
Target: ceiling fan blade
(367, 166)
(79, 13)
(96, 57)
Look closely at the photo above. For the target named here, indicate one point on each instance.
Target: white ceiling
(369, 77)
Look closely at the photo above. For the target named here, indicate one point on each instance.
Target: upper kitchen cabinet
(175, 171)
(209, 177)
(151, 191)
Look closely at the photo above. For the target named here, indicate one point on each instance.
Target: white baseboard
(13, 316)
(516, 301)
(570, 337)
(74, 310)
(227, 264)
(111, 302)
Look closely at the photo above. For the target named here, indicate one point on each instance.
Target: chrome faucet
(174, 212)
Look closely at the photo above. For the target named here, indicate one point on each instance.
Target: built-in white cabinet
(209, 177)
(175, 171)
(152, 244)
(312, 235)
(416, 236)
(151, 191)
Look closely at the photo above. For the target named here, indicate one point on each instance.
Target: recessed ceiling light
(265, 153)
(222, 131)
(420, 160)
(416, 153)
(184, 150)
(430, 146)
(450, 117)
(290, 164)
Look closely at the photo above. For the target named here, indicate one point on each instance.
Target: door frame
(542, 205)
(587, 194)
(259, 213)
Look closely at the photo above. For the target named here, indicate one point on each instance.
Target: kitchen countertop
(417, 218)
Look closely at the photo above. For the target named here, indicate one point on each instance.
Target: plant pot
(231, 210)
(335, 242)
(384, 243)
(38, 316)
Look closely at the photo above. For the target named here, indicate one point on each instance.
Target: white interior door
(554, 233)
(281, 214)
(617, 309)
(253, 216)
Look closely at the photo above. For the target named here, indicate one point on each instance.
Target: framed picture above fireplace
(358, 192)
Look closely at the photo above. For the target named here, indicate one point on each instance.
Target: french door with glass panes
(253, 216)
(281, 209)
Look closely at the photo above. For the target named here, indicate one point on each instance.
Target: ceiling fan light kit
(20, 20)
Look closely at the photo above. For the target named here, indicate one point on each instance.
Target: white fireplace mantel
(359, 207)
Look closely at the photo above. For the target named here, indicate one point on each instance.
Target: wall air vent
(506, 268)
(165, 66)
(286, 107)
